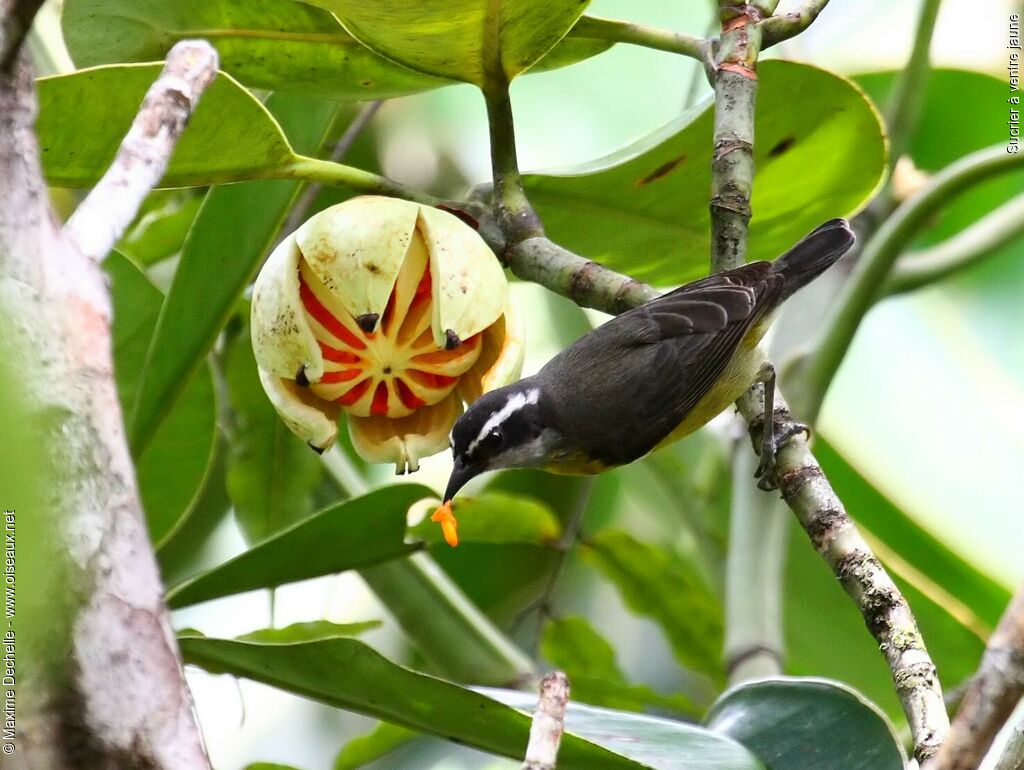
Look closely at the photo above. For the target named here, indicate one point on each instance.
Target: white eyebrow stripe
(516, 402)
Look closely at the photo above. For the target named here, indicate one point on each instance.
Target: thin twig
(597, 28)
(784, 26)
(302, 206)
(563, 547)
(995, 690)
(968, 247)
(546, 729)
(145, 151)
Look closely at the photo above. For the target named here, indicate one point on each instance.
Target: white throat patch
(516, 402)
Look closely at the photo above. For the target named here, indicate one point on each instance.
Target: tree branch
(144, 153)
(732, 164)
(547, 726)
(963, 250)
(1013, 753)
(994, 691)
(876, 261)
(116, 695)
(886, 613)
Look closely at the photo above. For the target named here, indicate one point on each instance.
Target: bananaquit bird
(643, 379)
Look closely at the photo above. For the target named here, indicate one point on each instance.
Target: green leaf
(270, 44)
(658, 584)
(233, 231)
(980, 99)
(379, 742)
(658, 743)
(230, 135)
(348, 674)
(308, 631)
(572, 645)
(173, 467)
(272, 474)
(269, 766)
(356, 533)
(806, 724)
(496, 518)
(467, 40)
(160, 230)
(820, 153)
(184, 552)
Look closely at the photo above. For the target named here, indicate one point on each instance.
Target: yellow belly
(739, 374)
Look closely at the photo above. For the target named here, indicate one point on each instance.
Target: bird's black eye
(493, 438)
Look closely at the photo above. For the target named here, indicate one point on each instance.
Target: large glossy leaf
(272, 474)
(644, 210)
(659, 743)
(172, 468)
(658, 584)
(356, 533)
(574, 646)
(273, 44)
(230, 135)
(233, 231)
(464, 40)
(350, 675)
(807, 724)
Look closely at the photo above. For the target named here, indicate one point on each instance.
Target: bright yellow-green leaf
(230, 136)
(469, 40)
(272, 44)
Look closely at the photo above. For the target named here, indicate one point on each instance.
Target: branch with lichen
(994, 692)
(109, 690)
(797, 473)
(548, 723)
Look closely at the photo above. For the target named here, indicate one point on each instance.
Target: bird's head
(502, 429)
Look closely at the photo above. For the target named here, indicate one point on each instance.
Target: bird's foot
(773, 442)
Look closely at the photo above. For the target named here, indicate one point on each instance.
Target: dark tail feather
(814, 254)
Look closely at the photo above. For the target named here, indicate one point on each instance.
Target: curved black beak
(462, 472)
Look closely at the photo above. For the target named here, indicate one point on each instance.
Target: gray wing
(630, 382)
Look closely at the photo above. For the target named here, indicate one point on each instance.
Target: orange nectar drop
(449, 524)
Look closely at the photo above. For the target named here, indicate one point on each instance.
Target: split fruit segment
(391, 312)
